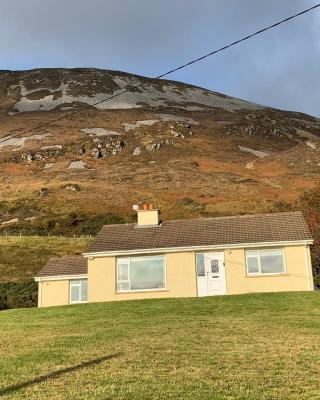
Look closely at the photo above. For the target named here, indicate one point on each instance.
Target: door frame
(220, 256)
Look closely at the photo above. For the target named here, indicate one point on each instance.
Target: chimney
(148, 216)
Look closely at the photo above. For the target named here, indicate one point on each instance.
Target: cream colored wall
(297, 277)
(180, 279)
(53, 293)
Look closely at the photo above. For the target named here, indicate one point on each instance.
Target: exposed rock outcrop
(46, 154)
(106, 146)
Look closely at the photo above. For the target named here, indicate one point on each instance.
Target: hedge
(316, 280)
(66, 225)
(18, 295)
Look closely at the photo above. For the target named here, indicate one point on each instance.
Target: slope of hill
(189, 150)
(15, 266)
(262, 346)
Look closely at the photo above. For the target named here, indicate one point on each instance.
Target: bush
(3, 297)
(316, 281)
(309, 204)
(186, 201)
(66, 225)
(18, 295)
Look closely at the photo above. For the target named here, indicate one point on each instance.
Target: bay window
(260, 262)
(140, 273)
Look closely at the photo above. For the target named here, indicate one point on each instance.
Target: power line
(239, 41)
(129, 88)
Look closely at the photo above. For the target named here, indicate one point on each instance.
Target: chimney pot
(145, 206)
(151, 206)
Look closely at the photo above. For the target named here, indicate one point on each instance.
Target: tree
(309, 204)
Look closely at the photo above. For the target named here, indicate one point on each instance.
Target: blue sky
(279, 68)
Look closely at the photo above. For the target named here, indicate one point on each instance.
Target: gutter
(59, 277)
(195, 248)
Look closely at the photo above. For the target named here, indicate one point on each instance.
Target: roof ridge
(125, 224)
(233, 216)
(213, 218)
(64, 257)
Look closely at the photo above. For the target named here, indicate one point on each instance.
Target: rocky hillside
(187, 149)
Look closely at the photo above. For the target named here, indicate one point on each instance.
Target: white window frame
(72, 283)
(284, 272)
(127, 260)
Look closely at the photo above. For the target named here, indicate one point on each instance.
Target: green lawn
(22, 257)
(263, 346)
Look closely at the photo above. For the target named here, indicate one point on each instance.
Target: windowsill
(141, 291)
(78, 302)
(266, 275)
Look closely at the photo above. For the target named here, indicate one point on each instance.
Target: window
(265, 262)
(214, 266)
(78, 291)
(140, 273)
(200, 265)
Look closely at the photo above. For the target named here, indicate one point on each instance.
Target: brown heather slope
(195, 152)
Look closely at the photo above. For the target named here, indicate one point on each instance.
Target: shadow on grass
(55, 374)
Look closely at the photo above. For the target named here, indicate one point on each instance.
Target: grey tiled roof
(288, 226)
(73, 265)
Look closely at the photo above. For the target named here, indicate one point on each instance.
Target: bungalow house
(184, 258)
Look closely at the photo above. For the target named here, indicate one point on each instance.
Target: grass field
(263, 346)
(22, 257)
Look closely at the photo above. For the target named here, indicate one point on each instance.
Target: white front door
(211, 276)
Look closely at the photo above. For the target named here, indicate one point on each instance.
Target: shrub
(3, 297)
(66, 225)
(316, 281)
(18, 295)
(309, 204)
(186, 201)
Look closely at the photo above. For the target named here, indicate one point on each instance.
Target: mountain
(189, 150)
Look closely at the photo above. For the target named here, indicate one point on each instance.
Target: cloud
(279, 68)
